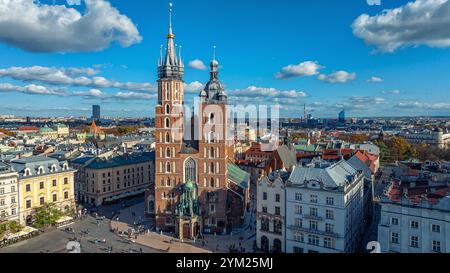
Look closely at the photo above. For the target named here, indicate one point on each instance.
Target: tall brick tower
(169, 131)
(194, 190)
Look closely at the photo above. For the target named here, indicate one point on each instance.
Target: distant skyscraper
(95, 112)
(342, 117)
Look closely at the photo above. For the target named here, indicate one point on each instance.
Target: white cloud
(262, 92)
(38, 27)
(72, 77)
(134, 96)
(197, 64)
(32, 89)
(421, 22)
(193, 87)
(424, 105)
(375, 80)
(307, 68)
(392, 92)
(337, 77)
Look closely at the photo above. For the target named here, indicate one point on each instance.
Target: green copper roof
(306, 148)
(190, 185)
(237, 175)
(46, 130)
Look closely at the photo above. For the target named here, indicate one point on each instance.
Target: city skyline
(286, 59)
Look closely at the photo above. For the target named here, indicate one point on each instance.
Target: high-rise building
(341, 117)
(197, 187)
(96, 114)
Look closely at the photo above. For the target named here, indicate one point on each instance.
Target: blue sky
(320, 52)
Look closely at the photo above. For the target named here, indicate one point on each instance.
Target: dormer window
(53, 168)
(65, 167)
(27, 172)
(40, 170)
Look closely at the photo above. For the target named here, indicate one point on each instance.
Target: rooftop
(121, 161)
(415, 193)
(237, 175)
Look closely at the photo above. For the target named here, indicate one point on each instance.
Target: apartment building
(9, 194)
(324, 209)
(415, 217)
(271, 213)
(43, 180)
(112, 179)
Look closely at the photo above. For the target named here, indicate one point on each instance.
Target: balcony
(312, 231)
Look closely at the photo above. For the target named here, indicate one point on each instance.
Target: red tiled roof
(368, 159)
(417, 193)
(28, 128)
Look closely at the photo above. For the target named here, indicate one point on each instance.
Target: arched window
(168, 152)
(211, 183)
(212, 168)
(65, 167)
(167, 92)
(40, 170)
(211, 118)
(190, 170)
(27, 172)
(168, 167)
(167, 137)
(211, 152)
(168, 182)
(53, 168)
(162, 182)
(174, 183)
(167, 123)
(167, 109)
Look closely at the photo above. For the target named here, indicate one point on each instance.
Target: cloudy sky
(58, 57)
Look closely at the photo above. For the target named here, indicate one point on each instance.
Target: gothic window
(168, 182)
(167, 92)
(167, 123)
(212, 168)
(211, 152)
(162, 182)
(190, 170)
(167, 109)
(168, 152)
(168, 167)
(211, 184)
(174, 182)
(167, 137)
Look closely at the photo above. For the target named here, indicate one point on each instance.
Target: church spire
(170, 66)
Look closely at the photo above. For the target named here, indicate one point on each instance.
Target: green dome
(189, 185)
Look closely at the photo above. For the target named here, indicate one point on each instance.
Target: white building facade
(407, 227)
(9, 194)
(324, 209)
(271, 216)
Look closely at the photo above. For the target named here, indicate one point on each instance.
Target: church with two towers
(197, 188)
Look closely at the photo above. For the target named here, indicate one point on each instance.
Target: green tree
(47, 215)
